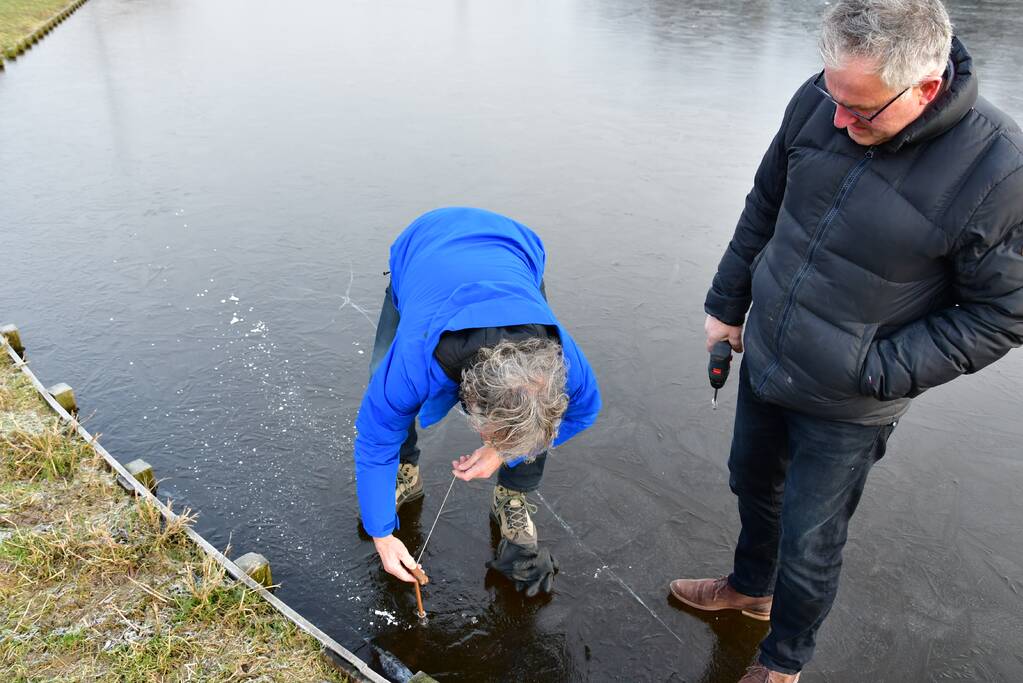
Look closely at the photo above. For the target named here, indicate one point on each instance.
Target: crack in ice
(606, 569)
(348, 298)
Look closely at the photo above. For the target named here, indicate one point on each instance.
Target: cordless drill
(717, 371)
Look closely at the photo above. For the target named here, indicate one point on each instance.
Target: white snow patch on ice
(391, 619)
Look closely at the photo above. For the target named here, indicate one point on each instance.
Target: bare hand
(719, 331)
(483, 462)
(395, 557)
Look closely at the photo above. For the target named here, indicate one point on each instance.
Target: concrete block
(257, 567)
(64, 396)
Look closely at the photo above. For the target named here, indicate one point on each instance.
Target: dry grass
(16, 391)
(20, 18)
(51, 453)
(96, 586)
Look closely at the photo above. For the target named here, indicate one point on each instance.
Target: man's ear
(929, 90)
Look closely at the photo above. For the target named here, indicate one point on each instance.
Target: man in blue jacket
(465, 319)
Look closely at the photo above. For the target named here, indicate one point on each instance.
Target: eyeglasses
(821, 88)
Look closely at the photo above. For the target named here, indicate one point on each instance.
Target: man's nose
(842, 117)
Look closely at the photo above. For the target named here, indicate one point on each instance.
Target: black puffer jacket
(877, 273)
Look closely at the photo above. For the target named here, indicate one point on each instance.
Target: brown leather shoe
(716, 594)
(758, 673)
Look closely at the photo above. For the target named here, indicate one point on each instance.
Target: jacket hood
(948, 109)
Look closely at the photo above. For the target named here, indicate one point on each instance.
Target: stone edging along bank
(60, 396)
(25, 44)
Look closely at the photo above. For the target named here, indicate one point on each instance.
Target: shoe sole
(759, 616)
(413, 497)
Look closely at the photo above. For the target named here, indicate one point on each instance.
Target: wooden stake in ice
(419, 603)
(421, 580)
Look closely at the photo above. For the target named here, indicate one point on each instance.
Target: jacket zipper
(804, 270)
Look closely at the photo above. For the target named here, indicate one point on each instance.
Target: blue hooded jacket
(452, 269)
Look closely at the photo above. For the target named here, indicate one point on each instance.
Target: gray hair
(515, 393)
(908, 40)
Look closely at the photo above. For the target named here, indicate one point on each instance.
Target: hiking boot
(511, 510)
(716, 594)
(409, 486)
(758, 673)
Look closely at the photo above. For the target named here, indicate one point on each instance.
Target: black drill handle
(720, 363)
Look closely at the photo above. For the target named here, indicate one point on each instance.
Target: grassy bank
(19, 19)
(95, 586)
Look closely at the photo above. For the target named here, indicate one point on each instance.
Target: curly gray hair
(514, 395)
(908, 40)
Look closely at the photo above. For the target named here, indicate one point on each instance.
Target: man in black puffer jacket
(880, 254)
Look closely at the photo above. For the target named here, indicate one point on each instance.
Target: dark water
(162, 159)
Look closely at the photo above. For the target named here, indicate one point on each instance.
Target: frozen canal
(196, 203)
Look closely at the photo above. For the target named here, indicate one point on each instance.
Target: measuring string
(436, 519)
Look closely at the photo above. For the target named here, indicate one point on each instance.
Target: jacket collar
(488, 304)
(948, 108)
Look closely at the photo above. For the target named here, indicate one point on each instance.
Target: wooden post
(142, 471)
(10, 332)
(422, 677)
(257, 567)
(64, 396)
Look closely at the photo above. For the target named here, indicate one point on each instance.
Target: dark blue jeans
(523, 477)
(798, 479)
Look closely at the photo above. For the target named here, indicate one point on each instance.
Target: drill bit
(714, 401)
